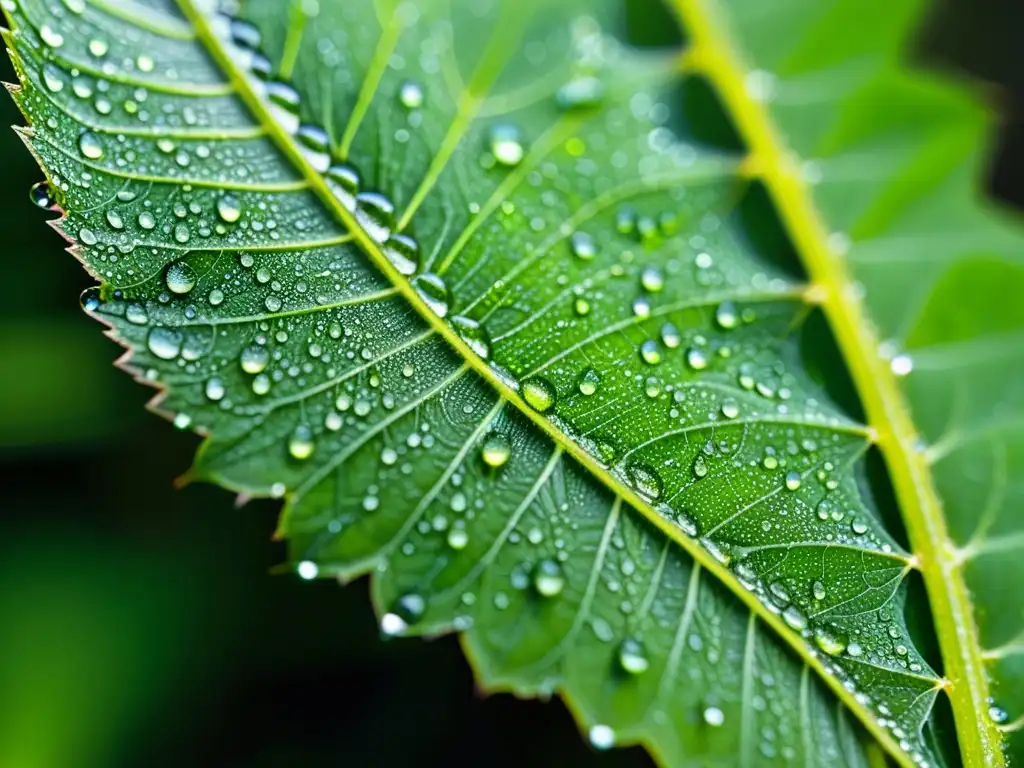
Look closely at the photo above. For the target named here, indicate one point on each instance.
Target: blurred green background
(140, 625)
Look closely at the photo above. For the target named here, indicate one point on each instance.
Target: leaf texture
(457, 285)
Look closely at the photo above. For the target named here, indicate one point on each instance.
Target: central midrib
(285, 143)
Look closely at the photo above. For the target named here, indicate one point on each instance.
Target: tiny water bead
(307, 570)
(215, 389)
(539, 394)
(181, 277)
(548, 579)
(496, 450)
(901, 365)
(696, 358)
(40, 195)
(300, 444)
(254, 359)
(651, 280)
(633, 656)
(714, 717)
(506, 145)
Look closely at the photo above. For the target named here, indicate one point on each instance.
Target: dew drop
(548, 579)
(410, 95)
(726, 315)
(50, 36)
(376, 214)
(997, 715)
(40, 196)
(901, 365)
(434, 291)
(670, 336)
(136, 314)
(307, 570)
(794, 618)
(254, 359)
(165, 343)
(633, 656)
(244, 34)
(696, 359)
(650, 353)
(589, 381)
(147, 220)
(496, 450)
(458, 538)
(215, 389)
(474, 334)
(644, 480)
(300, 444)
(229, 208)
(793, 481)
(828, 642)
(90, 146)
(818, 590)
(506, 144)
(700, 467)
(313, 137)
(651, 279)
(283, 95)
(601, 737)
(580, 93)
(181, 277)
(539, 394)
(714, 717)
(582, 246)
(730, 408)
(403, 252)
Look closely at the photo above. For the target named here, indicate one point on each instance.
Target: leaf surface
(459, 286)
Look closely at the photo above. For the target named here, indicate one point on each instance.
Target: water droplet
(410, 95)
(633, 656)
(474, 334)
(828, 642)
(98, 47)
(261, 384)
(254, 359)
(90, 145)
(136, 314)
(300, 444)
(403, 252)
(651, 279)
(376, 214)
(50, 36)
(650, 353)
(859, 527)
(580, 93)
(215, 389)
(818, 590)
(730, 408)
(625, 220)
(589, 380)
(539, 394)
(313, 137)
(307, 570)
(40, 196)
(165, 343)
(182, 421)
(854, 649)
(505, 144)
(145, 63)
(433, 290)
(147, 220)
(583, 245)
(696, 359)
(548, 579)
(997, 715)
(726, 315)
(458, 538)
(794, 618)
(344, 181)
(181, 277)
(244, 35)
(644, 480)
(670, 336)
(793, 481)
(283, 95)
(229, 208)
(392, 624)
(901, 365)
(496, 450)
(714, 717)
(700, 467)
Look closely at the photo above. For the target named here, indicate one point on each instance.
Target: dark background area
(140, 624)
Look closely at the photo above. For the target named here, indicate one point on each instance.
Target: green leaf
(461, 284)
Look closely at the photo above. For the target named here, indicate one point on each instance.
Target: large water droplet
(539, 394)
(40, 195)
(254, 359)
(229, 208)
(650, 353)
(589, 380)
(165, 343)
(90, 146)
(583, 245)
(244, 35)
(601, 737)
(215, 389)
(726, 315)
(410, 95)
(644, 480)
(181, 277)
(828, 642)
(433, 290)
(474, 334)
(376, 214)
(283, 95)
(403, 252)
